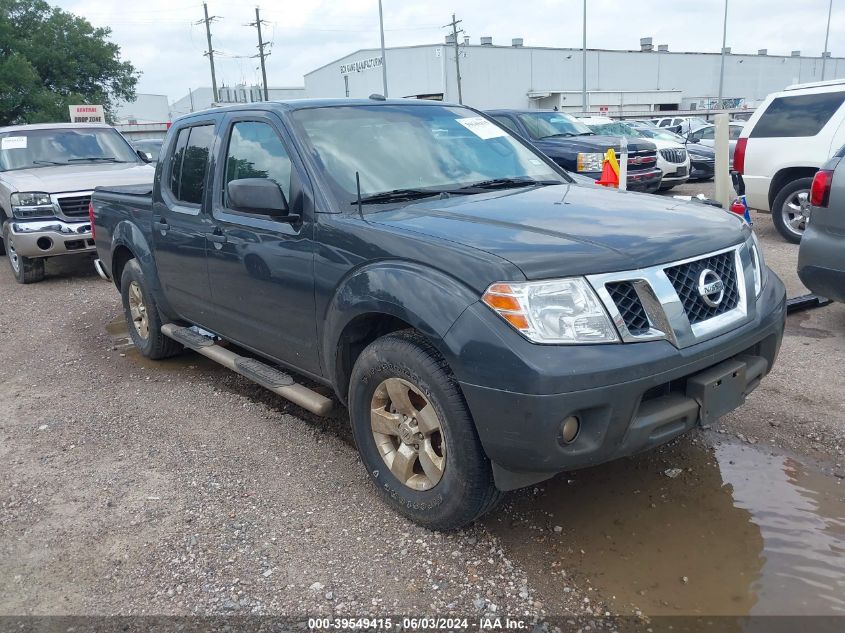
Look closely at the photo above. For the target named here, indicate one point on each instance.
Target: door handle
(162, 225)
(217, 238)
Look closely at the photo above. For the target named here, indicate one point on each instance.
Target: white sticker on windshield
(481, 127)
(13, 142)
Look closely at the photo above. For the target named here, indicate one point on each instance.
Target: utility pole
(261, 53)
(720, 103)
(210, 51)
(584, 65)
(826, 35)
(455, 30)
(383, 56)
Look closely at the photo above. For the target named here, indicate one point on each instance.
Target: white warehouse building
(518, 76)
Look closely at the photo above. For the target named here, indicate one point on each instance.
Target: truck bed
(117, 211)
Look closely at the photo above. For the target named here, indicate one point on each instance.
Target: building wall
(147, 108)
(502, 76)
(202, 98)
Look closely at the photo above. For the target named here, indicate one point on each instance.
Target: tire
(142, 316)
(788, 210)
(27, 270)
(406, 363)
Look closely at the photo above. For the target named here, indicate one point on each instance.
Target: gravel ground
(129, 487)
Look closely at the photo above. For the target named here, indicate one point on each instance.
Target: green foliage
(50, 59)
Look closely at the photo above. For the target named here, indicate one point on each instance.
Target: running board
(268, 377)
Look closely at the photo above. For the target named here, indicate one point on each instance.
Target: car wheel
(415, 434)
(27, 270)
(791, 209)
(142, 316)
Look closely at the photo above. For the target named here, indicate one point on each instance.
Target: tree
(50, 59)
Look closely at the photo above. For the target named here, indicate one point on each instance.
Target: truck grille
(74, 206)
(630, 307)
(642, 160)
(674, 155)
(685, 278)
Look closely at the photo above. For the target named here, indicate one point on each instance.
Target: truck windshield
(399, 150)
(25, 149)
(542, 125)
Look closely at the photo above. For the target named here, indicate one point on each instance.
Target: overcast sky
(161, 39)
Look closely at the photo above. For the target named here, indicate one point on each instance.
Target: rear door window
(190, 163)
(801, 115)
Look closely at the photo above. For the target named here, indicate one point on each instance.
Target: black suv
(573, 146)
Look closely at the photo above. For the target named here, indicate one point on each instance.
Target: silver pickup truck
(47, 174)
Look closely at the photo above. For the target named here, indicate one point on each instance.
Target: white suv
(782, 146)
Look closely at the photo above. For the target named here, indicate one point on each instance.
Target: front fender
(427, 299)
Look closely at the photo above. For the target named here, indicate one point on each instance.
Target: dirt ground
(177, 487)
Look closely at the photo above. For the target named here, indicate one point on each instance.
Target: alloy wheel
(138, 310)
(408, 434)
(796, 212)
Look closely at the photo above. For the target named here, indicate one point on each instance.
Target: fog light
(569, 429)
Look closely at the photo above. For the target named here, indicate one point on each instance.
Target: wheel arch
(383, 298)
(784, 177)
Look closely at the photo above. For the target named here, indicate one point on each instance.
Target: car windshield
(542, 125)
(417, 149)
(615, 128)
(24, 149)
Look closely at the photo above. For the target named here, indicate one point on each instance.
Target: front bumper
(702, 170)
(821, 261)
(629, 397)
(49, 238)
(647, 181)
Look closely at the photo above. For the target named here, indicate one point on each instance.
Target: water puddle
(740, 530)
(122, 343)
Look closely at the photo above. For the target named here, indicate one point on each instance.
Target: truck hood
(564, 230)
(67, 178)
(596, 144)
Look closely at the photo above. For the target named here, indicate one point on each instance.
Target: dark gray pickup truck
(487, 321)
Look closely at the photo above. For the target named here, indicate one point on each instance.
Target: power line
(208, 20)
(261, 54)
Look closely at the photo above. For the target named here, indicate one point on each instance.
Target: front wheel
(27, 270)
(791, 209)
(415, 435)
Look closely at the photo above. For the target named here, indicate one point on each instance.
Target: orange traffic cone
(609, 170)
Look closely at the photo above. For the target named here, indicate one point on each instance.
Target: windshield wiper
(586, 134)
(557, 135)
(110, 159)
(507, 183)
(398, 195)
(47, 162)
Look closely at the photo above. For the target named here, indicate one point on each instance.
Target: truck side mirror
(145, 156)
(257, 195)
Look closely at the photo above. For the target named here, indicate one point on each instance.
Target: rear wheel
(791, 209)
(415, 434)
(27, 270)
(142, 317)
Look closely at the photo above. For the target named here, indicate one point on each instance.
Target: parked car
(706, 135)
(679, 124)
(784, 143)
(150, 146)
(821, 257)
(702, 158)
(487, 321)
(578, 149)
(672, 157)
(47, 173)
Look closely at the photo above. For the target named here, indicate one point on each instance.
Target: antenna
(358, 186)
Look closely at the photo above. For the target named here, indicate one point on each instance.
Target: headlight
(31, 205)
(554, 311)
(590, 162)
(757, 265)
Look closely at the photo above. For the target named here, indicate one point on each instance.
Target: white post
(623, 165)
(724, 188)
